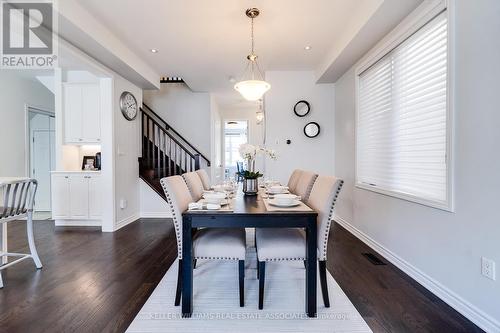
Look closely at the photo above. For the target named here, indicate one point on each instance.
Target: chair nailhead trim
(309, 188)
(219, 258)
(329, 221)
(281, 259)
(175, 219)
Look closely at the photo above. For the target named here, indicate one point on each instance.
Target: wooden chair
(239, 169)
(208, 243)
(18, 200)
(290, 244)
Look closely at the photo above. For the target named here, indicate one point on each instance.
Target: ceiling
(206, 42)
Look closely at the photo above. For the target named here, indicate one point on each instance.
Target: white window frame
(416, 20)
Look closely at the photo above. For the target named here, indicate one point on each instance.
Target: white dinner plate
(222, 203)
(282, 192)
(273, 202)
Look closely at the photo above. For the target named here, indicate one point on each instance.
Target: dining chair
(208, 243)
(290, 244)
(18, 200)
(239, 169)
(205, 179)
(294, 178)
(305, 184)
(194, 185)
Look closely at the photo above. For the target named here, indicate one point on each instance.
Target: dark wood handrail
(172, 137)
(170, 128)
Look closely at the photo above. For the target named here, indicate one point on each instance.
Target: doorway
(235, 134)
(41, 131)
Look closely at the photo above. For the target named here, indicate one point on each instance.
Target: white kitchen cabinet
(60, 196)
(76, 196)
(95, 200)
(82, 113)
(79, 197)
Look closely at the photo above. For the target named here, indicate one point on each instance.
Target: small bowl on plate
(214, 197)
(277, 189)
(286, 199)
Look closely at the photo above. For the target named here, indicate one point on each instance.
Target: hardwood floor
(90, 282)
(388, 299)
(97, 282)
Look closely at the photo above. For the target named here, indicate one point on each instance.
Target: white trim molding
(156, 215)
(470, 311)
(120, 224)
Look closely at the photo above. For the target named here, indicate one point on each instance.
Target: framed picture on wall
(88, 163)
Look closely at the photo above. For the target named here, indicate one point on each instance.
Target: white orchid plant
(249, 152)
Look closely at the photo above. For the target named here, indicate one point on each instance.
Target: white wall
(442, 250)
(16, 90)
(315, 154)
(127, 150)
(186, 111)
(152, 205)
(216, 172)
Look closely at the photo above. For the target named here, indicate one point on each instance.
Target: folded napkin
(202, 205)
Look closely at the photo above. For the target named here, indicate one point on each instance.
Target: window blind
(401, 133)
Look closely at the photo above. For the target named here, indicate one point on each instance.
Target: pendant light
(252, 87)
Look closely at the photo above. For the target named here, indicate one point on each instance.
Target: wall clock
(128, 105)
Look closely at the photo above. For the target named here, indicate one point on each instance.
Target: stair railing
(162, 153)
(173, 133)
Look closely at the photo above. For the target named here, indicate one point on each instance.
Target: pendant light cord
(253, 74)
(252, 36)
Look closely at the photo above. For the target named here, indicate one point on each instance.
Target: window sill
(446, 206)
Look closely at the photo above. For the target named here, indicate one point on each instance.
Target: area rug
(216, 302)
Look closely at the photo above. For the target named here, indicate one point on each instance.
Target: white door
(42, 154)
(42, 163)
(79, 196)
(60, 196)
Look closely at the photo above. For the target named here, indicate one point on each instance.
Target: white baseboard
(470, 311)
(120, 224)
(77, 223)
(156, 215)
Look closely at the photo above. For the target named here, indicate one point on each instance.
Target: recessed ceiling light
(307, 48)
(154, 50)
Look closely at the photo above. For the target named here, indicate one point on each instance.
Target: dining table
(249, 211)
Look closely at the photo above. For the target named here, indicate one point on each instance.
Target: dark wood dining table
(249, 212)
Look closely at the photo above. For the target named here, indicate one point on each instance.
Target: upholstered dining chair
(305, 184)
(205, 179)
(208, 243)
(294, 178)
(290, 244)
(194, 185)
(18, 201)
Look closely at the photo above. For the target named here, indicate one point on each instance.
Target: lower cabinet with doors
(76, 198)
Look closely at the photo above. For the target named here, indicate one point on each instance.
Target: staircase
(165, 152)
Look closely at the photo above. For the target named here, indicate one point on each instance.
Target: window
(402, 136)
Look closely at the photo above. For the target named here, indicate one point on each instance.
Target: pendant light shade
(252, 90)
(253, 86)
